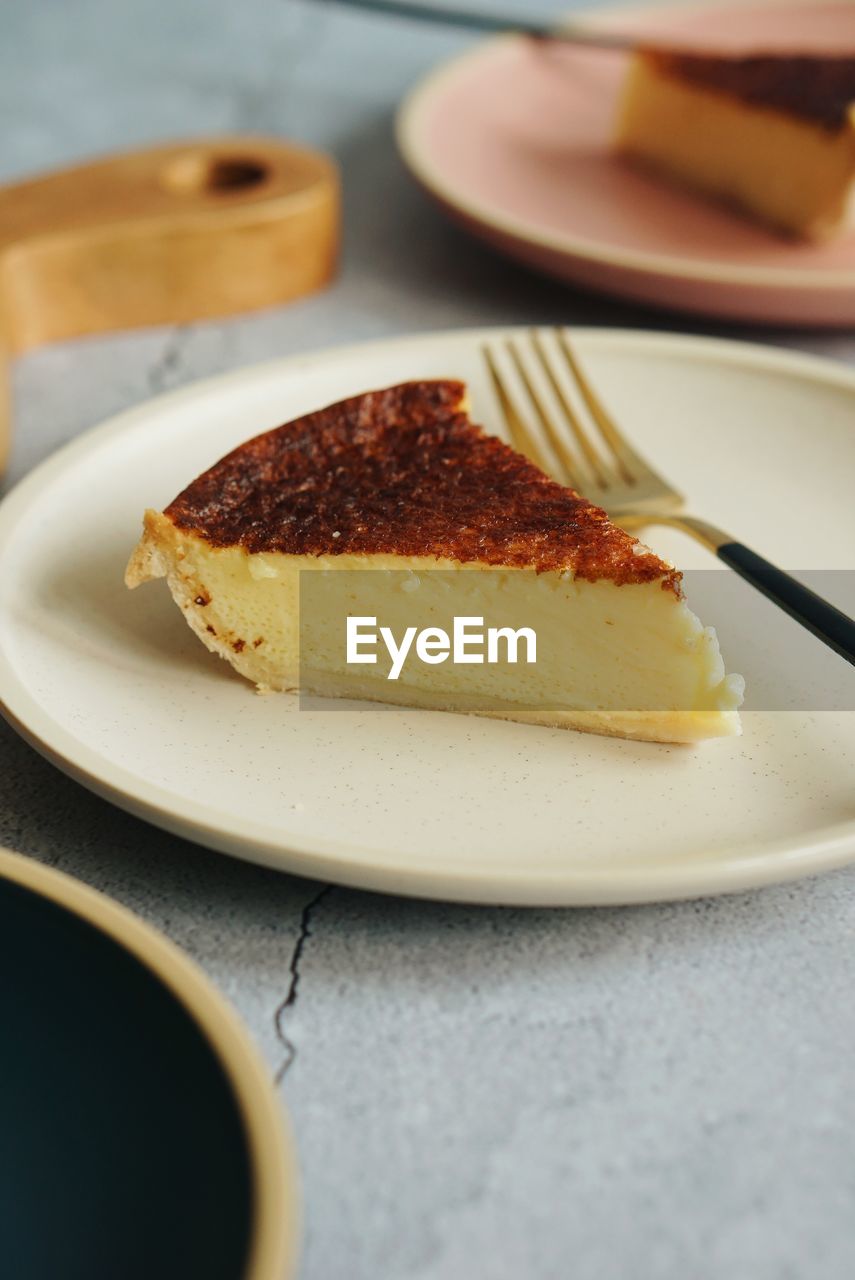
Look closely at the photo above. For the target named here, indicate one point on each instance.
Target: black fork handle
(828, 623)
(824, 620)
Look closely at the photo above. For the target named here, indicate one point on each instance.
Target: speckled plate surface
(114, 688)
(532, 170)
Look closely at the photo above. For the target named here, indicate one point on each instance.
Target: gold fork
(598, 461)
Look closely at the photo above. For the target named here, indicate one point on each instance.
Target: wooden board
(167, 235)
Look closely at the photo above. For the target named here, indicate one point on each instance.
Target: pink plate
(513, 140)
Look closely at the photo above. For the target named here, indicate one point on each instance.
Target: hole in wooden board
(235, 173)
(194, 172)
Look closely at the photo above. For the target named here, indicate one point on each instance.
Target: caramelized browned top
(404, 472)
(815, 88)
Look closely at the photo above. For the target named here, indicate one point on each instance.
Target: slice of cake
(772, 136)
(393, 508)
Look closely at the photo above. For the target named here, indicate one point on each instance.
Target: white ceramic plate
(115, 689)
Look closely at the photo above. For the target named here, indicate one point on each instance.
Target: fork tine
(559, 446)
(628, 460)
(523, 439)
(588, 451)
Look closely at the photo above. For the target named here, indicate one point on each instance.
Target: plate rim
(750, 865)
(407, 127)
(275, 1233)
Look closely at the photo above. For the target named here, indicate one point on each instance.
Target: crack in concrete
(294, 986)
(169, 359)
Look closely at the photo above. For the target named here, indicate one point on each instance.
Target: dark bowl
(139, 1136)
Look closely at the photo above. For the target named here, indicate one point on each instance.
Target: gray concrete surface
(651, 1094)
